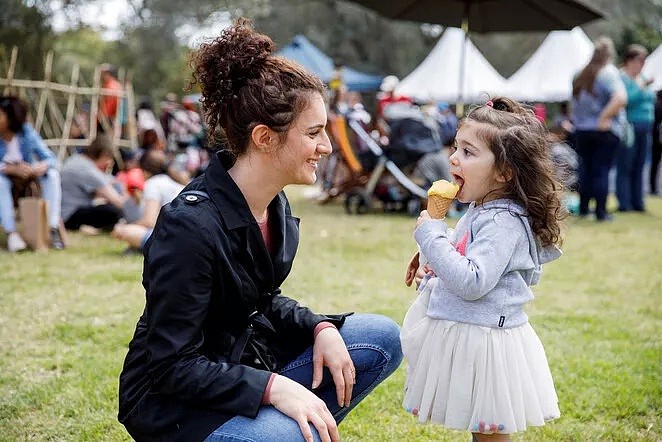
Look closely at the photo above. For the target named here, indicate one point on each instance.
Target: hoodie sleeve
(496, 237)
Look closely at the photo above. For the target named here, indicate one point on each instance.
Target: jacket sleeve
(486, 257)
(296, 321)
(38, 146)
(178, 275)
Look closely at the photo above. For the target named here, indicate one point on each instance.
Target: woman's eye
(467, 152)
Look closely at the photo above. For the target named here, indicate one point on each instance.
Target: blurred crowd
(387, 147)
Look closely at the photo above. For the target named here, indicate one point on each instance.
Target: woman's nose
(325, 146)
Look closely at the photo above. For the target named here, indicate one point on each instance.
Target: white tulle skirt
(469, 377)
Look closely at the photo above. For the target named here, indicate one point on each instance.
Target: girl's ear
(264, 138)
(505, 176)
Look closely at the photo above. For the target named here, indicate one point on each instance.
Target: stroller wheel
(357, 202)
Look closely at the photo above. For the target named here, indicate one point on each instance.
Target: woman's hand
(294, 400)
(39, 169)
(21, 170)
(330, 351)
(604, 123)
(424, 216)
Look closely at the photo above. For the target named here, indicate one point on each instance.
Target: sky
(106, 16)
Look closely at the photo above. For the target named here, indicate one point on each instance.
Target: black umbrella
(488, 15)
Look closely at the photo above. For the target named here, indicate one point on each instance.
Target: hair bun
(234, 57)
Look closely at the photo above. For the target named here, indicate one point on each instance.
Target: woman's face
(637, 64)
(305, 143)
(4, 122)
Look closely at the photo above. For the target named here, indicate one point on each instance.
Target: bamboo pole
(56, 114)
(94, 104)
(66, 130)
(41, 110)
(10, 71)
(63, 88)
(132, 129)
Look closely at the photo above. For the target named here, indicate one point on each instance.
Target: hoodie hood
(540, 255)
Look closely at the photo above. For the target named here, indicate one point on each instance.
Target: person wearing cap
(389, 96)
(108, 104)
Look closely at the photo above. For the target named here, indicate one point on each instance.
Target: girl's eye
(467, 152)
(313, 134)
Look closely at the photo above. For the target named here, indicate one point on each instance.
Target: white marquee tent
(547, 75)
(653, 68)
(438, 76)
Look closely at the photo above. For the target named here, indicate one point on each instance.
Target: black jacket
(206, 270)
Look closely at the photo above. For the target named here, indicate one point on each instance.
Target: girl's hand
(296, 401)
(424, 216)
(329, 350)
(420, 274)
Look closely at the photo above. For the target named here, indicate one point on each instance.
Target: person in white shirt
(159, 190)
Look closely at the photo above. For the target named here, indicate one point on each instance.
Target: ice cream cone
(438, 206)
(440, 197)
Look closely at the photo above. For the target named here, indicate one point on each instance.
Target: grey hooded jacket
(488, 285)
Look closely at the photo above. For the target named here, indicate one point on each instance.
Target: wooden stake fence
(55, 127)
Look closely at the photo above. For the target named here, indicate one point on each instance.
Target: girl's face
(473, 168)
(305, 143)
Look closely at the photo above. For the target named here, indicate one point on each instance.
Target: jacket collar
(225, 193)
(236, 214)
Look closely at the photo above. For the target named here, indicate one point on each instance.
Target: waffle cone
(438, 206)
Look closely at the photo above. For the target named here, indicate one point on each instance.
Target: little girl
(474, 362)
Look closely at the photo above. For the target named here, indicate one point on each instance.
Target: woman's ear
(264, 138)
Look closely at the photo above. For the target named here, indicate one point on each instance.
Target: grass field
(66, 319)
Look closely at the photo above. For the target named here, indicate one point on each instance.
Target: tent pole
(459, 106)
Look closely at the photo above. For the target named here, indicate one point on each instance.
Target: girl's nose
(453, 159)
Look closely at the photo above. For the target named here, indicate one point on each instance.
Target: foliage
(67, 317)
(29, 29)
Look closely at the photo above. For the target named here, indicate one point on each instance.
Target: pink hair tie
(489, 103)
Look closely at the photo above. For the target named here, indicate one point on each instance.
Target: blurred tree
(28, 28)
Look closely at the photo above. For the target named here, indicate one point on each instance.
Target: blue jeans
(51, 191)
(373, 342)
(630, 168)
(596, 151)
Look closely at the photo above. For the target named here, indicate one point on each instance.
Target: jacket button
(191, 198)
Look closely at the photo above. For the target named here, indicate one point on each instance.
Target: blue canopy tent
(309, 56)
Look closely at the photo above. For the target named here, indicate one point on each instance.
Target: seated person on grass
(24, 157)
(159, 190)
(90, 196)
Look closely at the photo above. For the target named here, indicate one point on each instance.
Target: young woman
(219, 353)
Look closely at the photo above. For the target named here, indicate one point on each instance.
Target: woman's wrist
(321, 326)
(266, 397)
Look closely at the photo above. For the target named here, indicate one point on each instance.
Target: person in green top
(632, 153)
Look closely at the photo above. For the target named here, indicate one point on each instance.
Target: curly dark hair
(244, 85)
(16, 111)
(522, 151)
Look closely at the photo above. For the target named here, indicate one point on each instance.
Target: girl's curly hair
(521, 147)
(244, 85)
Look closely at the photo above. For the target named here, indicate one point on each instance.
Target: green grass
(67, 317)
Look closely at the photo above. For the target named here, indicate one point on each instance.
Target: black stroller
(413, 135)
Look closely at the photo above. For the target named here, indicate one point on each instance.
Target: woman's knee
(374, 331)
